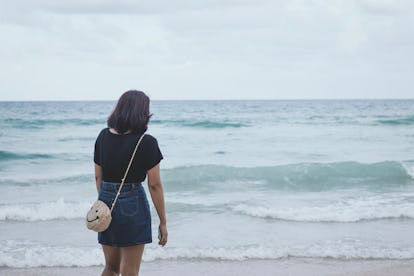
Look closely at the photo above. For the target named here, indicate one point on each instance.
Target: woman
(130, 229)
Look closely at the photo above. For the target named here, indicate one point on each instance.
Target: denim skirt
(131, 217)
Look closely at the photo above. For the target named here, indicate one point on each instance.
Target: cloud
(388, 7)
(121, 7)
(198, 47)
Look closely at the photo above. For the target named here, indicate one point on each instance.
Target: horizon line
(178, 100)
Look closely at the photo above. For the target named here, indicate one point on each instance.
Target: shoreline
(289, 266)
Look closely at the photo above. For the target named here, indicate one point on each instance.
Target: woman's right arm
(98, 176)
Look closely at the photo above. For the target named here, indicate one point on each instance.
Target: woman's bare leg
(112, 260)
(131, 257)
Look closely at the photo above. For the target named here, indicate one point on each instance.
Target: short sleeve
(152, 152)
(98, 149)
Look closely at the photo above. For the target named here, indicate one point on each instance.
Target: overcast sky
(206, 49)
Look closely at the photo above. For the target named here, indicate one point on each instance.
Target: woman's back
(113, 152)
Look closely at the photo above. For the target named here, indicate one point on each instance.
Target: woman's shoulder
(149, 141)
(148, 138)
(102, 133)
(104, 130)
(151, 151)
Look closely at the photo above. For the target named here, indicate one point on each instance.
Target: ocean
(243, 180)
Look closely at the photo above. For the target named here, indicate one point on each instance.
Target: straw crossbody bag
(99, 216)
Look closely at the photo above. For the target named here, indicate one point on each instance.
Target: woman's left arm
(98, 176)
(157, 195)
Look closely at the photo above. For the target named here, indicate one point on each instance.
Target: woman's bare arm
(98, 176)
(157, 195)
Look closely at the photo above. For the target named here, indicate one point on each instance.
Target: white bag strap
(126, 172)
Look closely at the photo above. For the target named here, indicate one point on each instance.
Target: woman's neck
(113, 131)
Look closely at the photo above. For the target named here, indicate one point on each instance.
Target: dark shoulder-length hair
(131, 113)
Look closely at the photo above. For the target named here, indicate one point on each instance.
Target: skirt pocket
(129, 206)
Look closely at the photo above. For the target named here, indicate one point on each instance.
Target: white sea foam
(351, 211)
(30, 254)
(343, 210)
(331, 249)
(409, 168)
(59, 209)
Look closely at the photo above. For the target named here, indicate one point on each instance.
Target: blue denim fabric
(131, 217)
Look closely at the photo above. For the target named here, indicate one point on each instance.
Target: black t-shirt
(113, 152)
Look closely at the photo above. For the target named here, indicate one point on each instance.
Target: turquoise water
(243, 179)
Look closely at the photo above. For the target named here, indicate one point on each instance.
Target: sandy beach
(251, 267)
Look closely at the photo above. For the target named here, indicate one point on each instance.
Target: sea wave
(23, 253)
(341, 249)
(355, 210)
(61, 210)
(301, 176)
(401, 121)
(297, 176)
(333, 207)
(30, 181)
(7, 156)
(18, 254)
(43, 123)
(201, 123)
(373, 191)
(345, 210)
(52, 210)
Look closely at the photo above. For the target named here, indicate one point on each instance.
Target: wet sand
(250, 267)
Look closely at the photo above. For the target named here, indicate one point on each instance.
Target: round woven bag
(99, 217)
